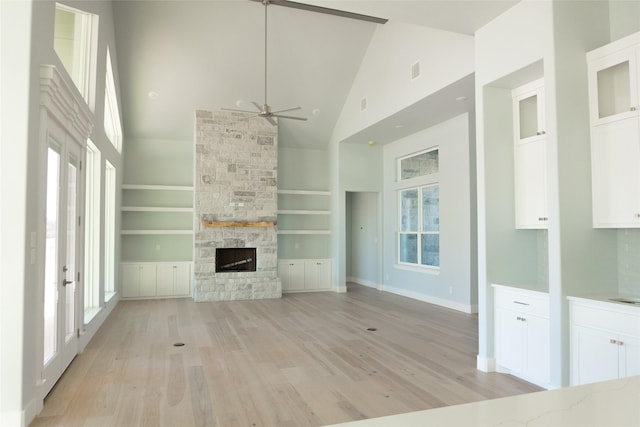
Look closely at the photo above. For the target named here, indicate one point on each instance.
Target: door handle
(66, 282)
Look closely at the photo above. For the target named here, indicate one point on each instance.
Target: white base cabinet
(299, 275)
(138, 280)
(155, 279)
(522, 334)
(605, 341)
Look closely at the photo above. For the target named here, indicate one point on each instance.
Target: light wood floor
(307, 359)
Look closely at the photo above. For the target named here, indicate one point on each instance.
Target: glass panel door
(62, 266)
(51, 253)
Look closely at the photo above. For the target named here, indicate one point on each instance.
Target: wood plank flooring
(305, 360)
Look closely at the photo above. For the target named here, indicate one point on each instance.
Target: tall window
(109, 230)
(75, 43)
(112, 126)
(92, 234)
(419, 210)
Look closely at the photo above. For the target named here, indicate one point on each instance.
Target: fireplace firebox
(235, 259)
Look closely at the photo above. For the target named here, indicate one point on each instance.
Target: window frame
(85, 47)
(112, 124)
(419, 183)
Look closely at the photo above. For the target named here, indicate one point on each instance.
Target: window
(92, 234)
(419, 210)
(416, 165)
(109, 230)
(112, 127)
(75, 43)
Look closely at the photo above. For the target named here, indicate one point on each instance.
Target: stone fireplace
(235, 208)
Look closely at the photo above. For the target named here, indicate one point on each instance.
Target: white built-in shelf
(154, 209)
(157, 187)
(304, 231)
(155, 232)
(303, 212)
(306, 192)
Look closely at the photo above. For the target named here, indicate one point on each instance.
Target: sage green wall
(452, 285)
(158, 162)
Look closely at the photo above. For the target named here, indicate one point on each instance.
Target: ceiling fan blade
(270, 120)
(328, 11)
(238, 111)
(289, 117)
(258, 106)
(288, 109)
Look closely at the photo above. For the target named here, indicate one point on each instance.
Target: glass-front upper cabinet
(528, 108)
(613, 82)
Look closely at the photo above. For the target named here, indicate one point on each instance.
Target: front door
(62, 258)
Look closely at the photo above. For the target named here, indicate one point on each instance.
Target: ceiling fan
(265, 110)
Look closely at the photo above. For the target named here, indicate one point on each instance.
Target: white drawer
(522, 300)
(606, 318)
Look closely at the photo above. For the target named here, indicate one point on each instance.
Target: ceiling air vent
(415, 70)
(363, 104)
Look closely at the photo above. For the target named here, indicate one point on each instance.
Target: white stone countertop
(613, 403)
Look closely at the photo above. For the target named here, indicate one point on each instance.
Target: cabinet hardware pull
(521, 303)
(620, 343)
(612, 341)
(543, 218)
(637, 215)
(633, 109)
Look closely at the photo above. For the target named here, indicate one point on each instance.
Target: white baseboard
(363, 282)
(341, 289)
(465, 308)
(486, 364)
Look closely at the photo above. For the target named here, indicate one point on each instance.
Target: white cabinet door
(174, 279)
(594, 355)
(509, 340)
(166, 279)
(317, 274)
(291, 274)
(613, 84)
(148, 280)
(537, 354)
(130, 280)
(182, 279)
(138, 280)
(629, 355)
(530, 156)
(531, 184)
(615, 162)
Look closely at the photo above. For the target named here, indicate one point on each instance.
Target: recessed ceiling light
(239, 103)
(461, 98)
(153, 95)
(372, 143)
(315, 112)
(399, 126)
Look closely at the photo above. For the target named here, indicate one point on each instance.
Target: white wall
(27, 42)
(452, 285)
(15, 39)
(384, 77)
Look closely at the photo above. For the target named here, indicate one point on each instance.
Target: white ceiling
(178, 56)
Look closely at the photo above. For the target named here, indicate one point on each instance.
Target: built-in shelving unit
(157, 223)
(304, 230)
(157, 210)
(303, 212)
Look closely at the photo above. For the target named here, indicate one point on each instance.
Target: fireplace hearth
(230, 260)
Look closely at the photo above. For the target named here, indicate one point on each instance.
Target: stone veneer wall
(235, 180)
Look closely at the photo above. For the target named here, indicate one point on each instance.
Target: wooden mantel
(217, 224)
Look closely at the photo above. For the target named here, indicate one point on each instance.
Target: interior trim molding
(465, 308)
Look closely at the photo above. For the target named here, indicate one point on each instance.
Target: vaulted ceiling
(178, 56)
